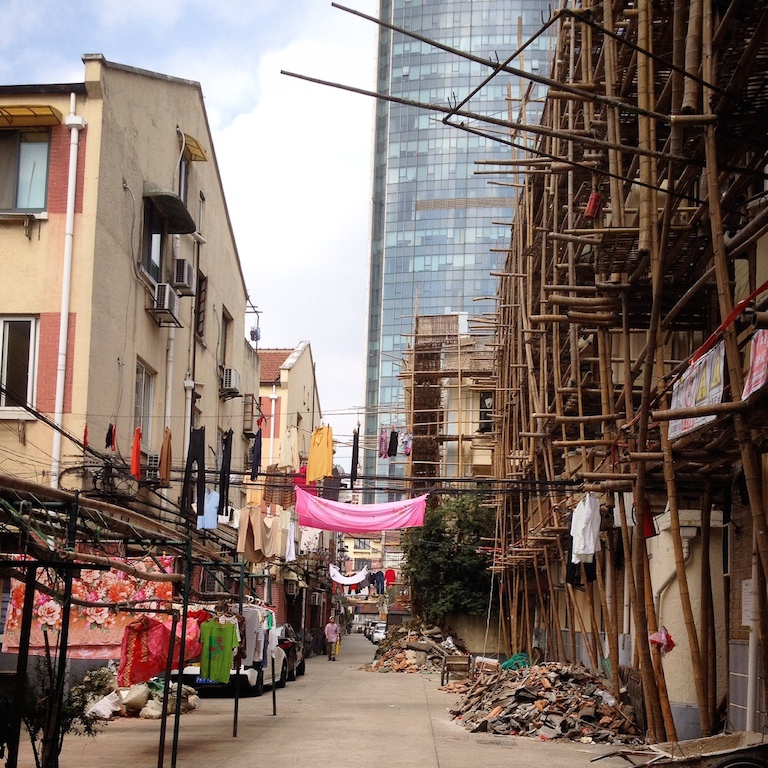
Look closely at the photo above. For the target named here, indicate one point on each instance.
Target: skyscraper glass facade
(437, 226)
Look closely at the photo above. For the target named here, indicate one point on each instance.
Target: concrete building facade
(113, 219)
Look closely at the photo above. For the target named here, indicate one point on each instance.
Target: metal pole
(21, 667)
(51, 740)
(183, 641)
(167, 688)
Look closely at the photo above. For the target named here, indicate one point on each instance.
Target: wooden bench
(455, 663)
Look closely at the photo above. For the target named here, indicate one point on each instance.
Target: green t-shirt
(219, 642)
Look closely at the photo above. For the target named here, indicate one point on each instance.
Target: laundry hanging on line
(320, 462)
(340, 578)
(352, 518)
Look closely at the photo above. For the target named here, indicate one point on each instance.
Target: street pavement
(336, 715)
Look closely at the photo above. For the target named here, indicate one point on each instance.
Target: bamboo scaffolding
(601, 307)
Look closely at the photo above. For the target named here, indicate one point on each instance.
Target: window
(183, 179)
(152, 246)
(145, 384)
(486, 412)
(24, 169)
(225, 342)
(202, 293)
(18, 356)
(362, 543)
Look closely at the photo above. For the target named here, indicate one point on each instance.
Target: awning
(195, 148)
(29, 115)
(289, 575)
(172, 208)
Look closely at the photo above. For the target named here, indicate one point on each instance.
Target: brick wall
(48, 361)
(740, 564)
(59, 170)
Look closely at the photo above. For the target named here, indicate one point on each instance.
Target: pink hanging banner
(353, 518)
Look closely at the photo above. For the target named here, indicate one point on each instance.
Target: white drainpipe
(169, 349)
(753, 657)
(75, 124)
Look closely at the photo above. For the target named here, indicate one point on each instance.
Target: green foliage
(446, 572)
(39, 707)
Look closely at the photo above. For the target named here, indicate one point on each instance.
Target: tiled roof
(270, 361)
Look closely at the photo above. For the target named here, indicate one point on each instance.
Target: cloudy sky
(295, 157)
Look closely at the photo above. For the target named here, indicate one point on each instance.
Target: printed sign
(701, 384)
(758, 364)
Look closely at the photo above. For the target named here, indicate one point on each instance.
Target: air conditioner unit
(230, 382)
(166, 306)
(152, 468)
(183, 277)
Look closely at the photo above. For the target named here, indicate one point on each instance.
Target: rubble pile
(144, 700)
(547, 701)
(414, 647)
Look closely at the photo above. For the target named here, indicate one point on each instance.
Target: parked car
(379, 631)
(251, 681)
(288, 640)
(368, 628)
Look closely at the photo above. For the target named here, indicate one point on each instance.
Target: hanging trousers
(195, 456)
(226, 460)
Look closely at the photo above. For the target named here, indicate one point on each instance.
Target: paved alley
(337, 715)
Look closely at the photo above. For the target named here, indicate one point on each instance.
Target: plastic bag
(664, 640)
(107, 707)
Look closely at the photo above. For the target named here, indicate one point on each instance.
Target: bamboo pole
(597, 646)
(560, 642)
(647, 243)
(707, 619)
(576, 611)
(670, 733)
(527, 626)
(514, 635)
(650, 687)
(545, 614)
(749, 457)
(693, 56)
(611, 628)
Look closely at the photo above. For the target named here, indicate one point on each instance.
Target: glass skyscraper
(438, 228)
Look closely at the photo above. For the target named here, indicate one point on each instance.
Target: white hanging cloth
(339, 578)
(585, 529)
(290, 548)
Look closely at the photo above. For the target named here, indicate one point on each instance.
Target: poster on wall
(758, 364)
(701, 384)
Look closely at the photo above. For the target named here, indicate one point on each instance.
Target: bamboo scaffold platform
(637, 247)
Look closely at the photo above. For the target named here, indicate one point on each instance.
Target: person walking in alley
(332, 636)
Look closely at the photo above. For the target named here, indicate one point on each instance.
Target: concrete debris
(547, 701)
(415, 647)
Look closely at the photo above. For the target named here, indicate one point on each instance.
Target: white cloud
(295, 157)
(296, 171)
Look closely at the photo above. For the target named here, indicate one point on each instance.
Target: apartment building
(123, 301)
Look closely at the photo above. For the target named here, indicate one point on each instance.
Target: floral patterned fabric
(94, 633)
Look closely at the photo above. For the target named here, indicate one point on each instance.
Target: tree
(37, 712)
(447, 572)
